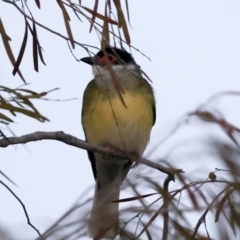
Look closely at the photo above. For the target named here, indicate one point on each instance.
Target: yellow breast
(108, 121)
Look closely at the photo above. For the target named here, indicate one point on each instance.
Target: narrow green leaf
(66, 19)
(127, 7)
(121, 21)
(35, 48)
(5, 39)
(23, 47)
(105, 33)
(100, 16)
(26, 112)
(38, 3)
(4, 117)
(220, 207)
(94, 15)
(116, 83)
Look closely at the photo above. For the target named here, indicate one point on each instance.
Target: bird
(116, 124)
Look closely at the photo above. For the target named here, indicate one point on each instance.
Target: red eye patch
(107, 57)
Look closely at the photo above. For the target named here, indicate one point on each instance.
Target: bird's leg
(110, 152)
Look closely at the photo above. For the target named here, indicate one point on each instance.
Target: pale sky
(194, 51)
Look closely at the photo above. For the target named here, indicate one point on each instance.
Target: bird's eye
(110, 58)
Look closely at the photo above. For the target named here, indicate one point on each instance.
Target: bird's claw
(110, 151)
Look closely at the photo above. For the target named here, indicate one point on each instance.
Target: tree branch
(75, 142)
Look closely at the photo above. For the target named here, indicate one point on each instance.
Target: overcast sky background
(194, 51)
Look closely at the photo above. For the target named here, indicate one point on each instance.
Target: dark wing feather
(93, 163)
(154, 113)
(148, 91)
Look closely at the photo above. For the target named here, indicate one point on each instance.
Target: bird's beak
(88, 60)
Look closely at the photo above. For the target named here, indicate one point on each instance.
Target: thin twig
(202, 218)
(23, 206)
(205, 225)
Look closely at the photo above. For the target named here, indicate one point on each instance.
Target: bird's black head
(114, 55)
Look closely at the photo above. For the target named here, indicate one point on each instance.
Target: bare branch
(75, 142)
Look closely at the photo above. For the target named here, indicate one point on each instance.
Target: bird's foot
(110, 152)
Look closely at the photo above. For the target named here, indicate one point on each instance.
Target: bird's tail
(104, 215)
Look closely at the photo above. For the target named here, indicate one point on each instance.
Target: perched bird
(109, 122)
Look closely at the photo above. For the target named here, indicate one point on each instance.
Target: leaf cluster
(19, 101)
